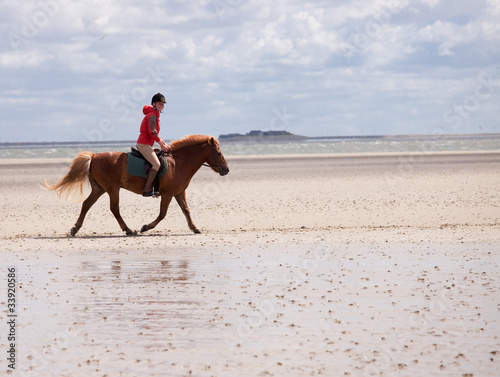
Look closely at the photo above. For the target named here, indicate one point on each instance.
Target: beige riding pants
(149, 154)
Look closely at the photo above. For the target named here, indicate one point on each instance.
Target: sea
(272, 146)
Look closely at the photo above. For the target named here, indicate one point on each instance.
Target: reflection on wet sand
(138, 271)
(125, 292)
(301, 310)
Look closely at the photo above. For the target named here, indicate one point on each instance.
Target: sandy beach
(332, 265)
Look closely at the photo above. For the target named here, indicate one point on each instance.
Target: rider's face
(159, 106)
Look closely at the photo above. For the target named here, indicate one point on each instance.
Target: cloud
(385, 66)
(449, 35)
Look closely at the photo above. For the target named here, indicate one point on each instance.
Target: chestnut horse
(107, 172)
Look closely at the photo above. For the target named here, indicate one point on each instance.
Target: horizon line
(291, 136)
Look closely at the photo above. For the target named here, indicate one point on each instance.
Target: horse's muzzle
(223, 170)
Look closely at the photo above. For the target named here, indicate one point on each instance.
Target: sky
(82, 70)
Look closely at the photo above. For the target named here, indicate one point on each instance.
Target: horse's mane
(191, 140)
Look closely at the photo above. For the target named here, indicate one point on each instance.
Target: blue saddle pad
(139, 167)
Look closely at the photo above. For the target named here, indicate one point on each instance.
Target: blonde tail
(75, 178)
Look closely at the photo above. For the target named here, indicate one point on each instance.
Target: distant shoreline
(256, 138)
(47, 144)
(359, 137)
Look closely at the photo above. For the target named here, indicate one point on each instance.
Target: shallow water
(270, 310)
(313, 146)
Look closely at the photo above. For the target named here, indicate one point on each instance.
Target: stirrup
(152, 193)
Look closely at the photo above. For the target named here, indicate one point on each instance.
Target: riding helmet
(158, 97)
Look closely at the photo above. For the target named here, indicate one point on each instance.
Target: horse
(107, 173)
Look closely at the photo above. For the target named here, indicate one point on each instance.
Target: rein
(193, 162)
(214, 153)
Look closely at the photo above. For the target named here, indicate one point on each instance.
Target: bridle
(214, 154)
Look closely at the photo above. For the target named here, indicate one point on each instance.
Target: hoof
(196, 231)
(131, 232)
(73, 231)
(144, 228)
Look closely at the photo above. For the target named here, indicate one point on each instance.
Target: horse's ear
(211, 141)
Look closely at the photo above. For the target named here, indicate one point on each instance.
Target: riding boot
(148, 188)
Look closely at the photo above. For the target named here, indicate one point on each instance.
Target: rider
(150, 128)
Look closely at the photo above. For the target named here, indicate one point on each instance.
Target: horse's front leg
(181, 200)
(114, 205)
(165, 201)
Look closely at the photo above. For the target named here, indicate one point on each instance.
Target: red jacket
(150, 126)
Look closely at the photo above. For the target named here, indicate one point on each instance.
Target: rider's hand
(164, 146)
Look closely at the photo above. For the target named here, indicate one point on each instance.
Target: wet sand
(320, 265)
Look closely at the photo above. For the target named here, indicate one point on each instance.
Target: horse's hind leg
(114, 205)
(181, 200)
(95, 194)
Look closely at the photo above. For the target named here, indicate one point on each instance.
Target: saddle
(138, 166)
(136, 152)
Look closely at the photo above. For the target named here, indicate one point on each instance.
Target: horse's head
(216, 159)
